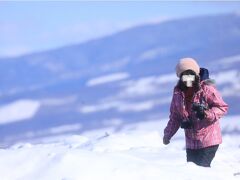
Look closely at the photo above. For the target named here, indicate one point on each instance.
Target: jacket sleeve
(174, 122)
(217, 107)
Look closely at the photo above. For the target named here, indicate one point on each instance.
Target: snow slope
(18, 111)
(133, 153)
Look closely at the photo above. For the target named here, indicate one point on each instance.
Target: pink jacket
(205, 132)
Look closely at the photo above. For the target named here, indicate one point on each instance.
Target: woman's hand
(166, 141)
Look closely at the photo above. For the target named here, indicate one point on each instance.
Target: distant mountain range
(122, 78)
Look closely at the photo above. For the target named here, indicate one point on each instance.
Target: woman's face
(188, 77)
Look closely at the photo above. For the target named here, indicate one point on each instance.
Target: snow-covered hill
(133, 153)
(116, 80)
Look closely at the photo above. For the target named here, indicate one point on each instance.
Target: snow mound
(135, 153)
(18, 111)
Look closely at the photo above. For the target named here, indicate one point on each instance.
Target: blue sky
(36, 26)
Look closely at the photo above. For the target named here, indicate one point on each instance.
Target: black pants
(202, 157)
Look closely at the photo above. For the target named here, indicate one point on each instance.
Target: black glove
(199, 109)
(186, 124)
(166, 141)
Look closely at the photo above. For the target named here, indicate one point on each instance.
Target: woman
(196, 107)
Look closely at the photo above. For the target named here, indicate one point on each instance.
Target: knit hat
(186, 64)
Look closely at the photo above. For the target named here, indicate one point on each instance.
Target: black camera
(198, 107)
(186, 124)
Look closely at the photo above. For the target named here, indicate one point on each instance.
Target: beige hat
(186, 64)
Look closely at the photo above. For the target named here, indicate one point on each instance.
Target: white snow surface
(123, 106)
(18, 110)
(229, 60)
(107, 79)
(131, 88)
(135, 152)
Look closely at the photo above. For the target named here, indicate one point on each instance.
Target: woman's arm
(173, 123)
(217, 107)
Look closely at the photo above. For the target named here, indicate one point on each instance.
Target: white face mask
(189, 79)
